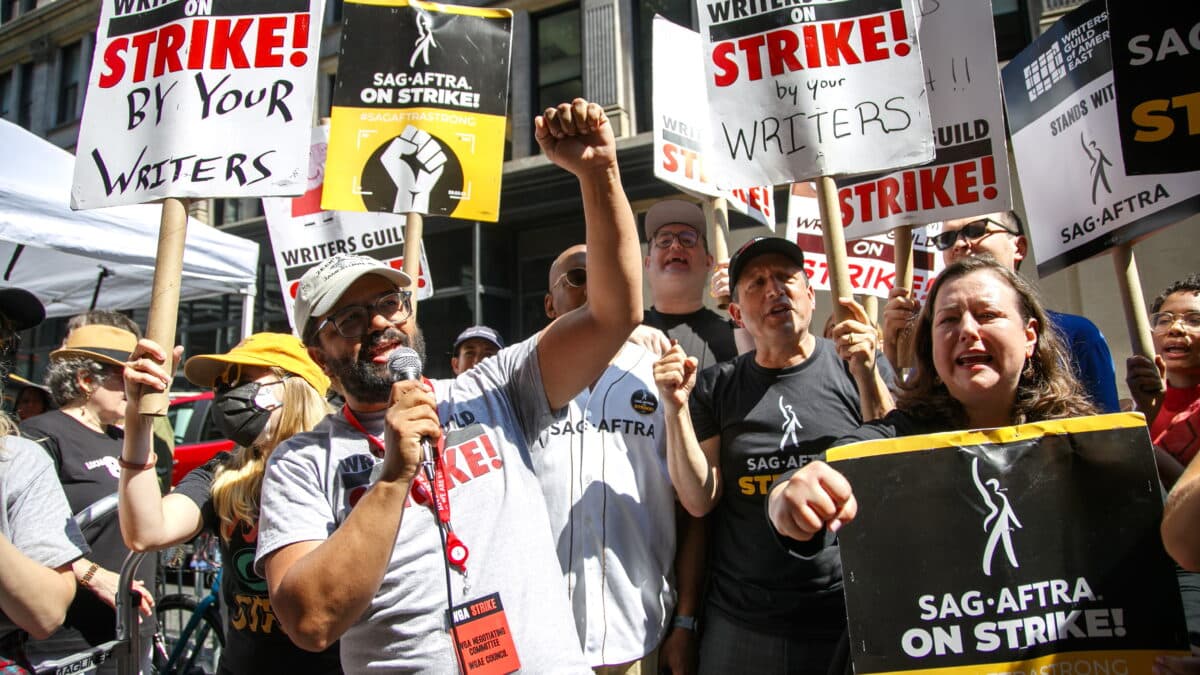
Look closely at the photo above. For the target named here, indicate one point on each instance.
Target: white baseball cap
(322, 286)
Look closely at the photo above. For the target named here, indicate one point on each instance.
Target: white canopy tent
(75, 260)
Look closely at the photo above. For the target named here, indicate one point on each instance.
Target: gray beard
(366, 380)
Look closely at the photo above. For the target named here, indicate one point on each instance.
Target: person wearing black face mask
(267, 389)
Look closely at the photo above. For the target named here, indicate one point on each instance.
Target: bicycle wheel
(202, 644)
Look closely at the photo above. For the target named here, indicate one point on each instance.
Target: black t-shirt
(771, 421)
(702, 334)
(254, 640)
(86, 461)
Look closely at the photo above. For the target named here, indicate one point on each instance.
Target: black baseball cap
(761, 246)
(21, 308)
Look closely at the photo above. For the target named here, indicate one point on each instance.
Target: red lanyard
(456, 551)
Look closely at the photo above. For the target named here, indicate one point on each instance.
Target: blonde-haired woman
(267, 389)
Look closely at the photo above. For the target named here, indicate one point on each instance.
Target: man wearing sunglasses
(1001, 235)
(417, 497)
(601, 468)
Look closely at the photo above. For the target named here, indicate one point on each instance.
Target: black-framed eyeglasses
(686, 238)
(353, 321)
(1161, 322)
(575, 278)
(972, 231)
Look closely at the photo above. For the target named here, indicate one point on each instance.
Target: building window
(558, 69)
(25, 95)
(1013, 29)
(6, 94)
(11, 9)
(228, 211)
(325, 104)
(68, 83)
(333, 14)
(678, 11)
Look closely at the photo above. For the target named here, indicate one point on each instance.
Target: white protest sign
(682, 141)
(303, 235)
(797, 91)
(1061, 109)
(871, 260)
(204, 98)
(969, 174)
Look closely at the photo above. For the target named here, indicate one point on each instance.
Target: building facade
(598, 49)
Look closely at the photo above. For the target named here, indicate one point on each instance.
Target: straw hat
(107, 344)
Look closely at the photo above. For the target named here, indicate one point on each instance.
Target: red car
(196, 437)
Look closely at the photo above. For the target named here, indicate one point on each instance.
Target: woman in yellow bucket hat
(267, 389)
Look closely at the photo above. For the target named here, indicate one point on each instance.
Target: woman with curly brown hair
(984, 357)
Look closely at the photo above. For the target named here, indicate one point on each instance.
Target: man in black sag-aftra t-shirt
(747, 421)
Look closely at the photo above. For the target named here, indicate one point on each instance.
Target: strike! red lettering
(923, 188)
(828, 44)
(214, 44)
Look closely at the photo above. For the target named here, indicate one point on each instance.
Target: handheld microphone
(404, 364)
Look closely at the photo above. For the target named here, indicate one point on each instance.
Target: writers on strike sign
(969, 172)
(800, 90)
(205, 98)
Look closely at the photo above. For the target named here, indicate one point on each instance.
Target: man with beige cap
(410, 524)
(677, 267)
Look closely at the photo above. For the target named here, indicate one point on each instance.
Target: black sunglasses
(972, 231)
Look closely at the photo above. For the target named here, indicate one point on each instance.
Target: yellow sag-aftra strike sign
(419, 110)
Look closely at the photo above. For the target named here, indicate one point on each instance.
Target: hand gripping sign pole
(414, 224)
(164, 296)
(835, 245)
(1136, 320)
(716, 213)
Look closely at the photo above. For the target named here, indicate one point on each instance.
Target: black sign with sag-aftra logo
(1031, 549)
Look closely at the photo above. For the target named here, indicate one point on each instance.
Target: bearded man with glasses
(1001, 236)
(414, 508)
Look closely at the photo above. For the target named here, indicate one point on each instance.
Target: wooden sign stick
(164, 294)
(716, 214)
(414, 225)
(834, 239)
(1136, 320)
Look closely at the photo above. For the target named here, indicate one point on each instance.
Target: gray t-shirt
(491, 414)
(34, 514)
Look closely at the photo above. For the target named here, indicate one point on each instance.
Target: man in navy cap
(472, 346)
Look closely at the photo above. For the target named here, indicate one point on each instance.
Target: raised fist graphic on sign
(414, 161)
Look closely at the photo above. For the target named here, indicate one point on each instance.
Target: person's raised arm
(149, 521)
(33, 596)
(1180, 516)
(856, 344)
(694, 466)
(576, 348)
(320, 588)
(898, 316)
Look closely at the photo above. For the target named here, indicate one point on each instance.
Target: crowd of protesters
(628, 490)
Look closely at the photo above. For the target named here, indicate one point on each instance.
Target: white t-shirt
(491, 414)
(603, 470)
